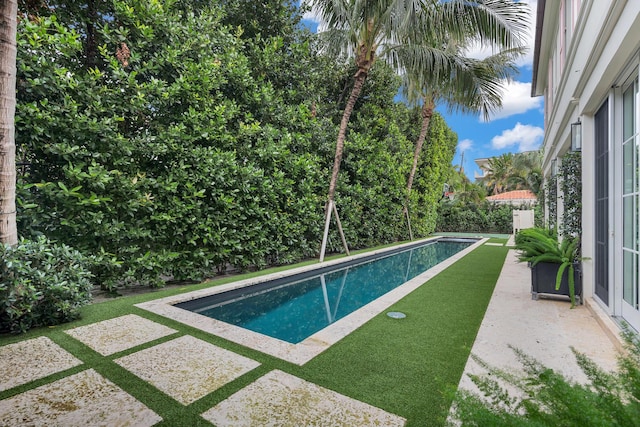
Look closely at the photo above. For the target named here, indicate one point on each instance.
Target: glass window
(629, 221)
(629, 276)
(628, 99)
(629, 167)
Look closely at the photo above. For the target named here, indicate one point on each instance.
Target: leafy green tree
(8, 24)
(193, 148)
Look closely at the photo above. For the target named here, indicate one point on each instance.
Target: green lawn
(408, 367)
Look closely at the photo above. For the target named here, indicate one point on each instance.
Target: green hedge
(178, 149)
(468, 217)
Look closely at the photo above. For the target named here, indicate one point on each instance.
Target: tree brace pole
(327, 221)
(344, 240)
(331, 207)
(406, 212)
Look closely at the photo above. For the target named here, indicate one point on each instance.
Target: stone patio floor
(87, 398)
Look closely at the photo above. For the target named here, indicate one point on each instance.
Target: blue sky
(517, 127)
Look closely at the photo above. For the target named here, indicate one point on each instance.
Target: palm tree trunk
(427, 112)
(348, 109)
(8, 28)
(360, 77)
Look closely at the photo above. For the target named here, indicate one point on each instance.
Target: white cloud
(312, 15)
(516, 99)
(464, 145)
(478, 52)
(525, 137)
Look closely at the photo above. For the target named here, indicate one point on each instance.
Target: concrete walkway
(545, 329)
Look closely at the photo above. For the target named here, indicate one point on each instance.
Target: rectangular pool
(297, 307)
(297, 314)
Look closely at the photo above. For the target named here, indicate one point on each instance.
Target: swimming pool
(296, 308)
(335, 311)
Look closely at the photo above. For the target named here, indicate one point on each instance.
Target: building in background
(586, 65)
(514, 198)
(483, 164)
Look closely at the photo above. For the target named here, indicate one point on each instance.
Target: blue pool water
(296, 308)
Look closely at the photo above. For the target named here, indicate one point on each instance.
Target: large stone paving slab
(281, 399)
(31, 360)
(119, 334)
(187, 368)
(83, 399)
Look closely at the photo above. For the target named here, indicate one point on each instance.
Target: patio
(43, 383)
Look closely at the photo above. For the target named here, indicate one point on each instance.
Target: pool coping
(317, 343)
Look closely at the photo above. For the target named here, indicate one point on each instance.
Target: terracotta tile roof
(514, 195)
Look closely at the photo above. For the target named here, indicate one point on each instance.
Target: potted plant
(555, 266)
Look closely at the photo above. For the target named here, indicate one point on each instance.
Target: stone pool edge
(312, 346)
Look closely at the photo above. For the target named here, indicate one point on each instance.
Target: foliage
(433, 167)
(551, 197)
(544, 397)
(134, 163)
(470, 216)
(571, 189)
(42, 283)
(541, 245)
(508, 172)
(192, 147)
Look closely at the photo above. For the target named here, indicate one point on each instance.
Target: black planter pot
(543, 280)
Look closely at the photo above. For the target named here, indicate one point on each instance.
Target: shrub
(543, 397)
(41, 284)
(500, 218)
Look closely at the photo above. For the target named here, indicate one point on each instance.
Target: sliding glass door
(630, 205)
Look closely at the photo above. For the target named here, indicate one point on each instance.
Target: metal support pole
(406, 211)
(326, 230)
(344, 240)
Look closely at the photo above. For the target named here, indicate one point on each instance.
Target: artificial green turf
(407, 367)
(497, 240)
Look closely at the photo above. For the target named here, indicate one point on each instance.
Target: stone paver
(119, 334)
(187, 368)
(83, 399)
(281, 399)
(31, 360)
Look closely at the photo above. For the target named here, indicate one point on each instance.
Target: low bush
(543, 397)
(41, 284)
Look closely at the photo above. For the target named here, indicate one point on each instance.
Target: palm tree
(527, 171)
(499, 170)
(8, 28)
(361, 29)
(474, 86)
(400, 32)
(522, 171)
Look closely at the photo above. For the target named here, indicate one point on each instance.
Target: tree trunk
(348, 109)
(427, 113)
(8, 28)
(91, 44)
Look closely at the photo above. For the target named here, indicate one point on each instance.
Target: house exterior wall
(586, 52)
